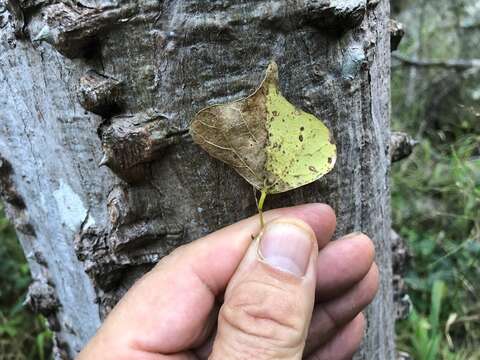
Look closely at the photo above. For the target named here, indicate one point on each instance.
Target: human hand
(226, 296)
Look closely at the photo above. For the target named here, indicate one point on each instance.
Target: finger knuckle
(266, 311)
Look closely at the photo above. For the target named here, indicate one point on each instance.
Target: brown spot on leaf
(300, 138)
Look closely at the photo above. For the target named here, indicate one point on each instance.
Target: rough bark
(397, 32)
(401, 146)
(116, 82)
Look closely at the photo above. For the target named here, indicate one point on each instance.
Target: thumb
(268, 302)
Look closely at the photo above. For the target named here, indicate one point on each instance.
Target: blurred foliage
(436, 192)
(22, 335)
(425, 333)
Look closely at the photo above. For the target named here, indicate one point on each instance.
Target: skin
(215, 298)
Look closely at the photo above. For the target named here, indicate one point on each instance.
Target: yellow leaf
(275, 146)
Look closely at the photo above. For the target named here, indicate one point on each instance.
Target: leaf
(275, 146)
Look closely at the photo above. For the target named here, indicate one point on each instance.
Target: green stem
(260, 207)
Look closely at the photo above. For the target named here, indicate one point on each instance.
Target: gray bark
(116, 82)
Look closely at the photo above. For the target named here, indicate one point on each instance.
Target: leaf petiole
(260, 207)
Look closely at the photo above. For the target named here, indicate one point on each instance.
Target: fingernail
(286, 247)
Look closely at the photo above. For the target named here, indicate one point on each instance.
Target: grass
(436, 208)
(22, 334)
(436, 192)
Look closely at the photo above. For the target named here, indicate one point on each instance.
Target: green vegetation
(22, 335)
(425, 333)
(436, 192)
(436, 203)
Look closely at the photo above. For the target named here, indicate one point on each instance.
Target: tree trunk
(116, 83)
